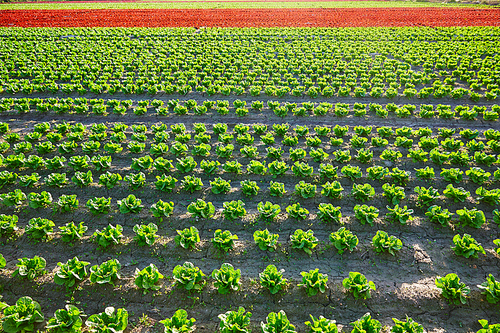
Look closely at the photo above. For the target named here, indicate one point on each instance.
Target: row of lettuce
(101, 107)
(223, 241)
(26, 313)
(274, 63)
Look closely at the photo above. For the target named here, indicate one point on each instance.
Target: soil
(405, 282)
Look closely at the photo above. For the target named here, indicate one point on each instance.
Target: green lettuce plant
(179, 322)
(71, 272)
(265, 240)
(189, 277)
(452, 289)
(68, 319)
(314, 282)
(22, 316)
(107, 272)
(304, 240)
(148, 278)
(344, 239)
(110, 321)
(227, 279)
(358, 285)
(30, 267)
(235, 321)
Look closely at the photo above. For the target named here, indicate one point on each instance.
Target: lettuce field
(223, 179)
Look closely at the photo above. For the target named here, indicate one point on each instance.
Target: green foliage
(186, 164)
(358, 285)
(452, 289)
(130, 204)
(304, 240)
(314, 282)
(110, 235)
(14, 198)
(352, 172)
(145, 234)
(109, 179)
(399, 214)
(302, 169)
(22, 316)
(362, 192)
(321, 325)
(265, 240)
(188, 237)
(366, 214)
(457, 194)
(438, 214)
(165, 183)
(408, 326)
(223, 240)
(226, 278)
(273, 279)
(30, 268)
(148, 278)
(491, 288)
(235, 321)
(179, 323)
(394, 194)
(100, 205)
(491, 197)
(109, 321)
(162, 209)
(66, 320)
(493, 328)
(268, 211)
(344, 239)
(277, 168)
(249, 187)
(200, 208)
(8, 224)
(107, 272)
(366, 324)
(220, 185)
(305, 190)
(471, 217)
(82, 179)
(332, 190)
(39, 228)
(39, 200)
(66, 203)
(466, 246)
(297, 212)
(382, 242)
(328, 213)
(189, 277)
(71, 272)
(209, 167)
(233, 209)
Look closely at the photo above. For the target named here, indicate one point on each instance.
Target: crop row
(276, 65)
(189, 238)
(100, 107)
(116, 320)
(332, 189)
(227, 279)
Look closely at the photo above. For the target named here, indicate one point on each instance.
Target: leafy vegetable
(109, 321)
(452, 289)
(189, 277)
(314, 282)
(226, 278)
(273, 279)
(358, 285)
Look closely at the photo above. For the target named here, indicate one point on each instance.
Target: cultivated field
(135, 132)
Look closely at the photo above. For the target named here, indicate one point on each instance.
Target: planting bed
(255, 17)
(436, 107)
